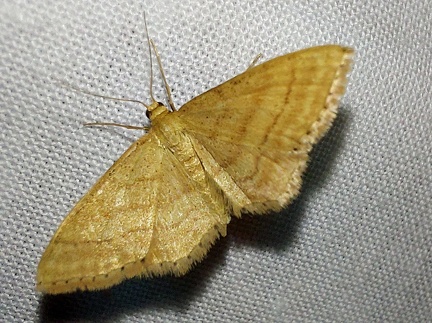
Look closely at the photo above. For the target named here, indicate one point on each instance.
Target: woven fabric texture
(355, 246)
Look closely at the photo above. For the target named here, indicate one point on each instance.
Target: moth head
(156, 109)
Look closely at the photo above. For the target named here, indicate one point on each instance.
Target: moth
(240, 147)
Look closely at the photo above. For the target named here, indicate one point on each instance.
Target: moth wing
(143, 217)
(253, 132)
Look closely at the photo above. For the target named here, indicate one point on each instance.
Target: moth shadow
(278, 230)
(134, 295)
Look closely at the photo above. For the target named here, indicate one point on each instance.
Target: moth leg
(255, 60)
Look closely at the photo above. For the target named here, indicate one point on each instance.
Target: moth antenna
(99, 124)
(76, 89)
(151, 58)
(167, 88)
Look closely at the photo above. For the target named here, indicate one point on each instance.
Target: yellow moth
(240, 147)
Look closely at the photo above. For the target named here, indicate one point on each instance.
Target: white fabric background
(355, 245)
